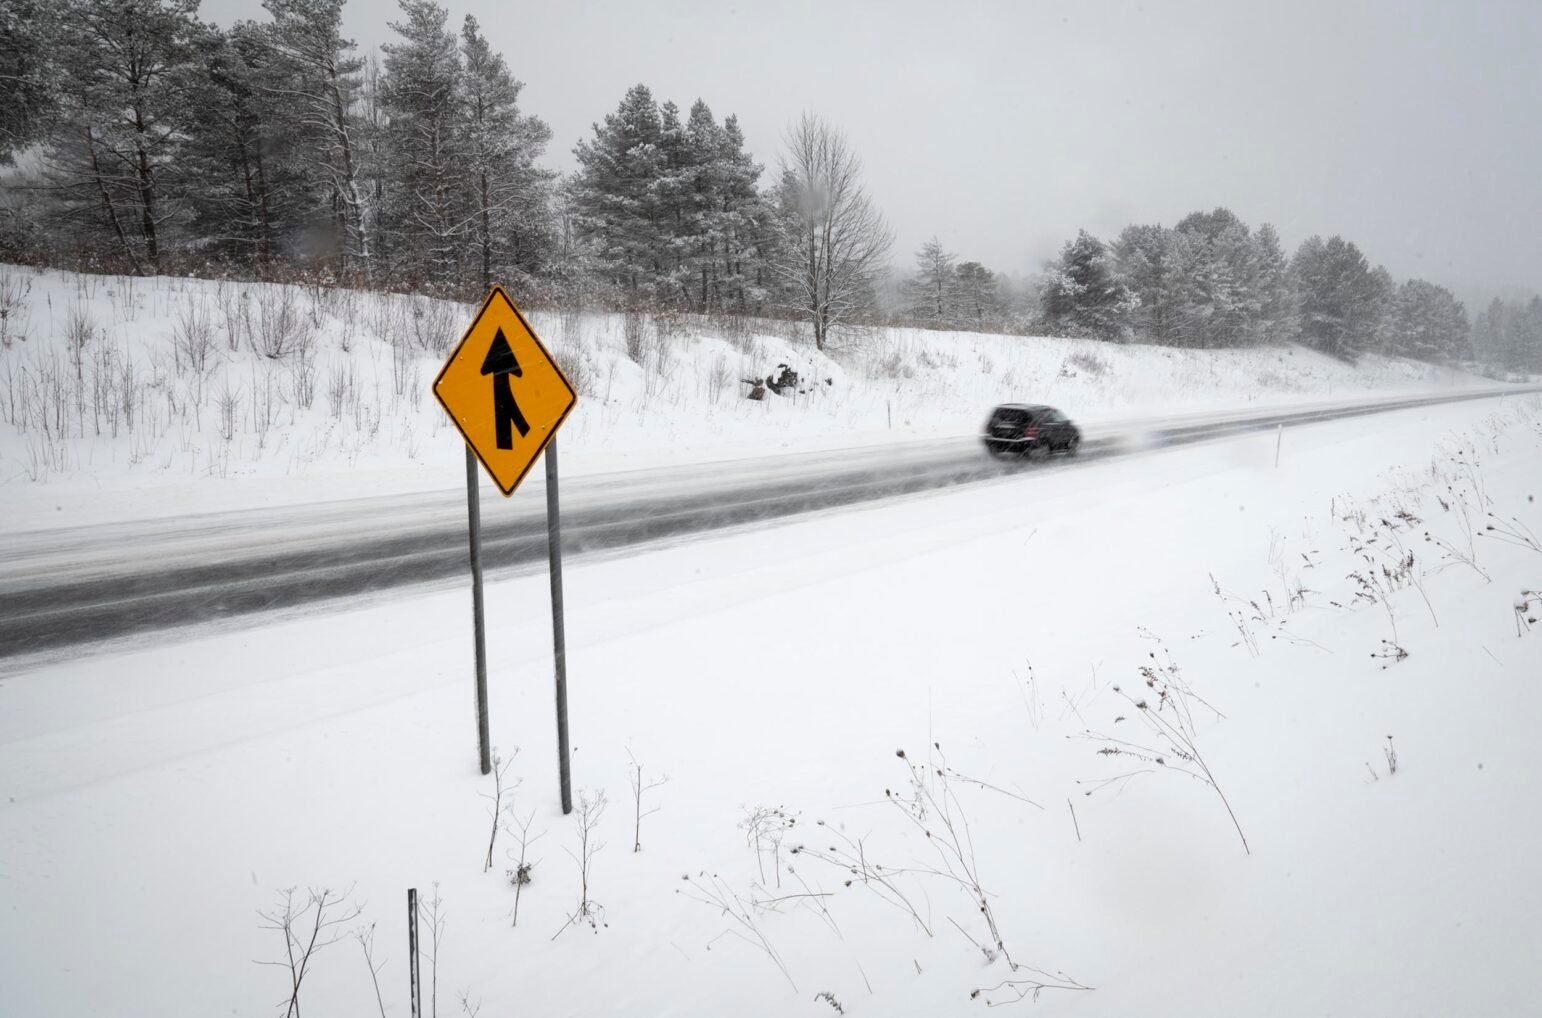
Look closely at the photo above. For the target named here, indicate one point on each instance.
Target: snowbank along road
(67, 587)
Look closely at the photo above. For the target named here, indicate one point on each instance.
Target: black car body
(1023, 429)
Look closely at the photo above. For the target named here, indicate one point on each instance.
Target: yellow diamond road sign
(504, 391)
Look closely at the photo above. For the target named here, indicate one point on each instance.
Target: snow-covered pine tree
(319, 87)
(740, 223)
(29, 86)
(613, 195)
(246, 177)
(509, 195)
(1275, 320)
(1221, 306)
(1148, 261)
(422, 97)
(1428, 323)
(1081, 296)
(978, 295)
(127, 71)
(1339, 300)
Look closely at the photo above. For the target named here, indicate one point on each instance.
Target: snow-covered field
(134, 398)
(154, 799)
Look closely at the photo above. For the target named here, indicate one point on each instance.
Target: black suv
(1024, 429)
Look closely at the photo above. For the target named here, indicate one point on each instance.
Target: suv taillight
(1030, 432)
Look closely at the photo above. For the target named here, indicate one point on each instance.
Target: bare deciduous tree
(833, 240)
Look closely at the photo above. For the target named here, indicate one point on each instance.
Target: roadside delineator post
(414, 984)
(506, 395)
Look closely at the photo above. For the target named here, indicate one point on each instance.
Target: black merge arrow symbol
(501, 363)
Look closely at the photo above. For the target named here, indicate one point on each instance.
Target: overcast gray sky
(1411, 127)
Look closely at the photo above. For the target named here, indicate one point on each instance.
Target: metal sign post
(414, 984)
(506, 395)
(478, 618)
(558, 633)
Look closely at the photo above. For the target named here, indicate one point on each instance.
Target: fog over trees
(148, 141)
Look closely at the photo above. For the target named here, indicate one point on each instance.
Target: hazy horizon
(1003, 129)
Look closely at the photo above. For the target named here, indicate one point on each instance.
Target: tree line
(165, 142)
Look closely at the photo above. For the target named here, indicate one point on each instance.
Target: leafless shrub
(433, 324)
(14, 293)
(572, 357)
(850, 855)
(524, 867)
(586, 820)
(934, 809)
(711, 891)
(307, 930)
(500, 772)
(230, 410)
(1085, 361)
(193, 336)
(342, 385)
(302, 374)
(764, 828)
(79, 331)
(634, 333)
(1454, 502)
(281, 328)
(433, 911)
(1165, 710)
(366, 938)
(266, 403)
(640, 788)
(235, 309)
(736, 330)
(718, 378)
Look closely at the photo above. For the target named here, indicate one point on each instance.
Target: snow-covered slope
(154, 800)
(172, 392)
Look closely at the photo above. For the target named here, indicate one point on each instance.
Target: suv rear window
(1011, 417)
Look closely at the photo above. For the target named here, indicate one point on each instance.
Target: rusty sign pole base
(558, 635)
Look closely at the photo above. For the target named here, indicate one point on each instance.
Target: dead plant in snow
(764, 828)
(522, 874)
(366, 938)
(713, 892)
(1527, 607)
(1166, 711)
(14, 293)
(1513, 532)
(432, 910)
(1026, 989)
(193, 336)
(307, 930)
(586, 821)
(500, 789)
(640, 788)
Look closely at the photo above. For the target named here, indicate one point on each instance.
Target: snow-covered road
(79, 585)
